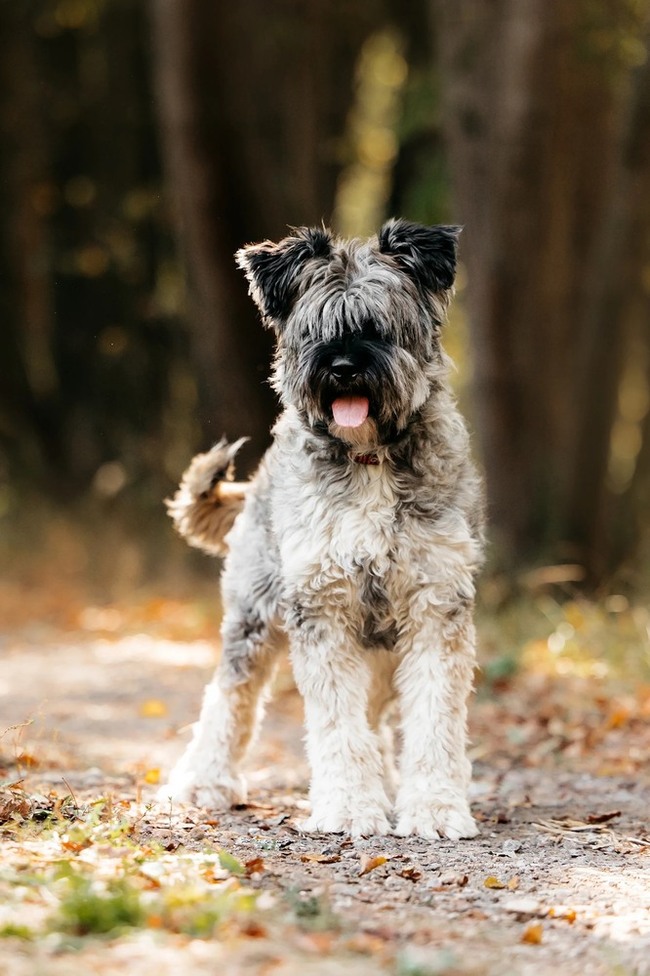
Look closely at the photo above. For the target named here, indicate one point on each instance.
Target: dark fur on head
(427, 254)
(273, 269)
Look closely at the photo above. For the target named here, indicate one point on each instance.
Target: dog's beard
(365, 437)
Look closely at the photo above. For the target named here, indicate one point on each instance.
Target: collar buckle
(365, 458)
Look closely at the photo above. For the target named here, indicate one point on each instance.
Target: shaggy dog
(358, 539)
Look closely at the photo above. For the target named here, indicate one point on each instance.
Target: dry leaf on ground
(533, 934)
(368, 864)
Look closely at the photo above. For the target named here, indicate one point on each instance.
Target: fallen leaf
(74, 845)
(152, 776)
(411, 874)
(14, 803)
(254, 866)
(27, 759)
(368, 864)
(253, 929)
(533, 933)
(597, 818)
(320, 858)
(492, 882)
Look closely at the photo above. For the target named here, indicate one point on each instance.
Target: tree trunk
(28, 402)
(229, 349)
(531, 111)
(616, 307)
(252, 100)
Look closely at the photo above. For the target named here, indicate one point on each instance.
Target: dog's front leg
(347, 792)
(433, 681)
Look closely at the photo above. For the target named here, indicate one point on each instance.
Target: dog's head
(357, 323)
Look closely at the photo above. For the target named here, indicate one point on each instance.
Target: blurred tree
(545, 126)
(615, 328)
(629, 267)
(252, 100)
(27, 418)
(87, 340)
(420, 184)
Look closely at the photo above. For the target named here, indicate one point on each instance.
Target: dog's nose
(343, 368)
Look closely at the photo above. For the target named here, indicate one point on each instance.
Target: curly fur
(367, 569)
(202, 511)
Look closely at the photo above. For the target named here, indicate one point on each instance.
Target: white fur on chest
(336, 528)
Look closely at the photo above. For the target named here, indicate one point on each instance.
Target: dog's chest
(361, 526)
(338, 553)
(338, 530)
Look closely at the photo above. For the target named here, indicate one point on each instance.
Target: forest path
(558, 881)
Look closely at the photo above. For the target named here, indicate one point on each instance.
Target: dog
(358, 539)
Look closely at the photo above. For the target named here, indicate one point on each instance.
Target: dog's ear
(426, 254)
(273, 270)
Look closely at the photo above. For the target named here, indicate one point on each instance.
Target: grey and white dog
(358, 539)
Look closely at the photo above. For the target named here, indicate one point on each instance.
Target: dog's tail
(208, 501)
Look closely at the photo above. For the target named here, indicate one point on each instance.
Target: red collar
(365, 458)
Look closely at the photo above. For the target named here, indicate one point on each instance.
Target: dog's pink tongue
(350, 411)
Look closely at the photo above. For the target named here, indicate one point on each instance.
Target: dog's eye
(370, 332)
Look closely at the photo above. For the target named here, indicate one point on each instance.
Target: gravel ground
(558, 880)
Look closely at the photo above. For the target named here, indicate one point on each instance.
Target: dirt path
(557, 882)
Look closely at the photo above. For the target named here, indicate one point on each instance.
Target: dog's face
(357, 324)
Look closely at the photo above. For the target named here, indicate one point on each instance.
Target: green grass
(86, 910)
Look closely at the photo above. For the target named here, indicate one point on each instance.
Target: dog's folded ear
(274, 270)
(426, 254)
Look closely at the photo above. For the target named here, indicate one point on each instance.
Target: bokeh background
(142, 143)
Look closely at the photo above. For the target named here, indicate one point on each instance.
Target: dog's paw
(438, 820)
(366, 823)
(218, 795)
